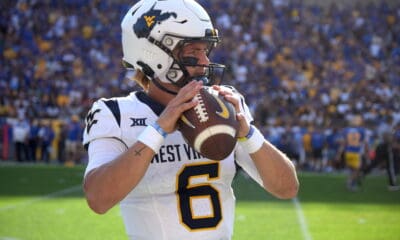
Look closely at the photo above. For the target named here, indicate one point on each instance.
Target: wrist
(253, 141)
(159, 129)
(248, 135)
(153, 136)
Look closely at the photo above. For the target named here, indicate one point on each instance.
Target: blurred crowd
(304, 68)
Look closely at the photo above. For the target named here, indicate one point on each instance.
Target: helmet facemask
(178, 73)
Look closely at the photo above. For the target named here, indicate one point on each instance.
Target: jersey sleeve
(103, 151)
(101, 122)
(244, 160)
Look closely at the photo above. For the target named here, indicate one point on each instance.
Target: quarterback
(137, 156)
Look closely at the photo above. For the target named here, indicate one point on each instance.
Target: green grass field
(46, 202)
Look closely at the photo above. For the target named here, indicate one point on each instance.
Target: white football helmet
(153, 30)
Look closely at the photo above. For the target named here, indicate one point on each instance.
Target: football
(211, 126)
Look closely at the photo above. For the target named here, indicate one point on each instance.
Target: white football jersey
(182, 195)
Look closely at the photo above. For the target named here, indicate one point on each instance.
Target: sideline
(39, 199)
(301, 219)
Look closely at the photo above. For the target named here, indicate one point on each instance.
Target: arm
(108, 184)
(276, 171)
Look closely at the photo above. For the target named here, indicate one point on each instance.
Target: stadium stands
(300, 65)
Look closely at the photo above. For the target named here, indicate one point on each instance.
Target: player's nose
(203, 59)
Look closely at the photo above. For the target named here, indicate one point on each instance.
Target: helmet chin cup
(202, 79)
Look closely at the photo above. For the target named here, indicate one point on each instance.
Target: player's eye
(190, 61)
(196, 52)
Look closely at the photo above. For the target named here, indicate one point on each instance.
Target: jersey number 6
(188, 191)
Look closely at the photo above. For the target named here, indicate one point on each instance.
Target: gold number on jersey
(187, 192)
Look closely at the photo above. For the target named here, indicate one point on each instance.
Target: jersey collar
(155, 106)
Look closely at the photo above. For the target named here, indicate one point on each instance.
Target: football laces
(200, 109)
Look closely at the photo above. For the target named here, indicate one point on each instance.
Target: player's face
(195, 54)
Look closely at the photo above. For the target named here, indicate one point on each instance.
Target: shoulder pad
(102, 121)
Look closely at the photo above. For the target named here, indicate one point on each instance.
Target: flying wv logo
(147, 21)
(225, 112)
(90, 121)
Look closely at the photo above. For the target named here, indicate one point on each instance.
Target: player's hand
(234, 98)
(183, 101)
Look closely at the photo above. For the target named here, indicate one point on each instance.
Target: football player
(354, 148)
(139, 159)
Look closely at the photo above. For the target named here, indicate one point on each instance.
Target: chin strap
(163, 88)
